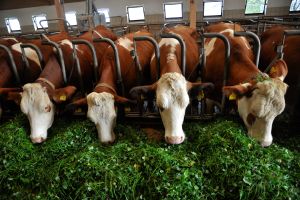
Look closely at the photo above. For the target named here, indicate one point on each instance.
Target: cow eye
(251, 119)
(161, 109)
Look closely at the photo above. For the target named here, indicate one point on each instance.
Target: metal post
(38, 52)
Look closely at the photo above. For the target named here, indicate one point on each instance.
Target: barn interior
(217, 160)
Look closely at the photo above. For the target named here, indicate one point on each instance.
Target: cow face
(101, 111)
(172, 99)
(258, 106)
(36, 104)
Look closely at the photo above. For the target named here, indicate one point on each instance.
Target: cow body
(259, 97)
(172, 88)
(101, 102)
(269, 41)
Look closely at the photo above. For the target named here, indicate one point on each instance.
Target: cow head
(36, 104)
(259, 102)
(171, 99)
(101, 111)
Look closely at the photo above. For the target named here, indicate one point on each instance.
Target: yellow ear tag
(127, 109)
(273, 70)
(200, 95)
(232, 96)
(78, 110)
(63, 98)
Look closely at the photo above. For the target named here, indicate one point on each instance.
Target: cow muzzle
(174, 139)
(38, 140)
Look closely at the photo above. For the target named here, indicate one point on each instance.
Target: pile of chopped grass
(217, 161)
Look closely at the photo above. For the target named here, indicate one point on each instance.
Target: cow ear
(14, 96)
(237, 90)
(199, 85)
(63, 94)
(135, 91)
(76, 106)
(279, 70)
(123, 100)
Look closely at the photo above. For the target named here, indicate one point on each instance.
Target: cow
(259, 97)
(39, 99)
(101, 102)
(26, 74)
(172, 87)
(270, 39)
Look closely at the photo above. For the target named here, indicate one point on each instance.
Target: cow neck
(104, 87)
(52, 74)
(6, 74)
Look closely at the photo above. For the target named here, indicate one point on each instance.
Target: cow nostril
(266, 143)
(174, 140)
(37, 140)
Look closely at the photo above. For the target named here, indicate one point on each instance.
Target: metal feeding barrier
(280, 47)
(227, 59)
(48, 42)
(66, 23)
(257, 45)
(12, 64)
(38, 52)
(77, 63)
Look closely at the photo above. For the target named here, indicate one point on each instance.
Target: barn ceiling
(15, 4)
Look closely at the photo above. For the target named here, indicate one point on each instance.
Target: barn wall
(153, 11)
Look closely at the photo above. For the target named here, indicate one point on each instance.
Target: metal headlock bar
(38, 52)
(257, 45)
(60, 56)
(12, 63)
(95, 60)
(120, 84)
(183, 49)
(280, 47)
(55, 19)
(157, 55)
(227, 60)
(156, 50)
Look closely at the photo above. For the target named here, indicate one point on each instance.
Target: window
(36, 21)
(71, 18)
(105, 11)
(255, 7)
(135, 13)
(213, 8)
(295, 6)
(173, 10)
(12, 24)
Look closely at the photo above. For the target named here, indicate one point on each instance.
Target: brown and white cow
(101, 102)
(172, 88)
(7, 79)
(37, 98)
(259, 97)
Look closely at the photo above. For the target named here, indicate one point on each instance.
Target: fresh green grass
(217, 161)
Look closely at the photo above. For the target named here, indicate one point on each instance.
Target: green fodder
(217, 161)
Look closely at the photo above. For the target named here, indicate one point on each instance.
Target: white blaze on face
(172, 99)
(30, 53)
(101, 111)
(35, 103)
(69, 43)
(126, 43)
(259, 110)
(209, 46)
(10, 38)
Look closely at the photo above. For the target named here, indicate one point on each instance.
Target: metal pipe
(38, 52)
(156, 51)
(227, 60)
(117, 62)
(257, 45)
(77, 63)
(60, 56)
(12, 64)
(183, 49)
(94, 55)
(55, 19)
